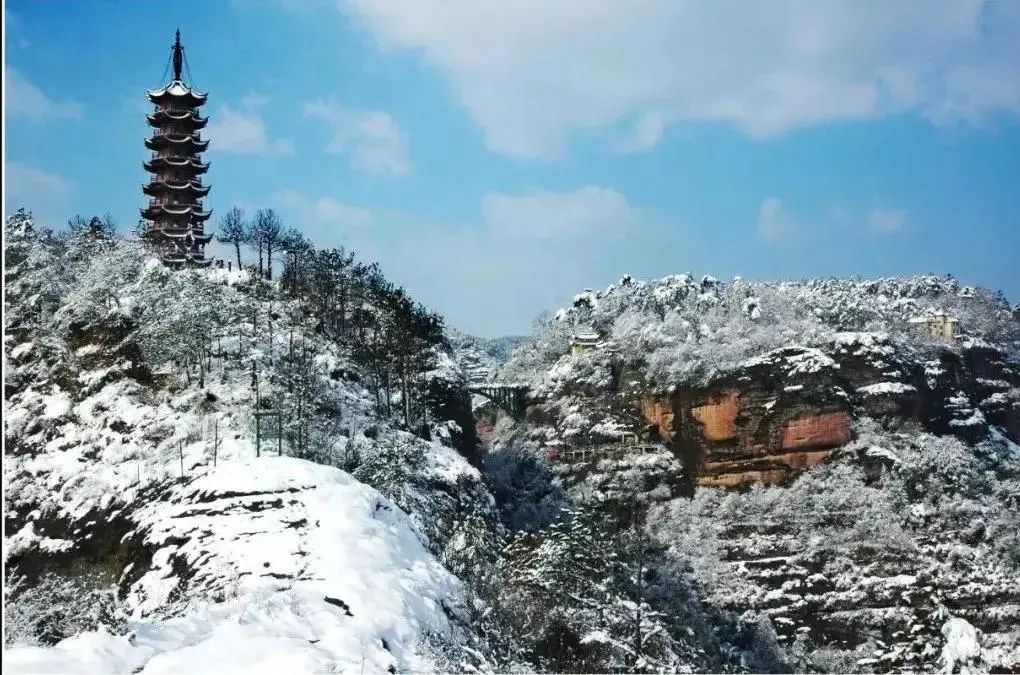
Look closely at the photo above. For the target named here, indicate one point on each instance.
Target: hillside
(214, 470)
(146, 528)
(811, 452)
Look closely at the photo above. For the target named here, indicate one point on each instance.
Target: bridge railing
(498, 386)
(593, 452)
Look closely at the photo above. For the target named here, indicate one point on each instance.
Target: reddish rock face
(718, 415)
(766, 445)
(789, 409)
(765, 425)
(659, 414)
(483, 428)
(826, 430)
(741, 444)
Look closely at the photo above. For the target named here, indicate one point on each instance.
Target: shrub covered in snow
(57, 607)
(679, 330)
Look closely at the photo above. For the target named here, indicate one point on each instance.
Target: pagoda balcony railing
(175, 182)
(171, 154)
(179, 114)
(170, 108)
(157, 202)
(195, 230)
(173, 133)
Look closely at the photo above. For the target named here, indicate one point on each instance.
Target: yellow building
(583, 342)
(939, 325)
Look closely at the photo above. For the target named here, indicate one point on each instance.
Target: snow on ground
(245, 550)
(312, 569)
(862, 343)
(881, 388)
(801, 361)
(962, 647)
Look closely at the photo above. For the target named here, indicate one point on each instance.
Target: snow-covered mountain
(151, 528)
(260, 565)
(837, 456)
(206, 470)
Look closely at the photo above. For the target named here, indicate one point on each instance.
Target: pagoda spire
(178, 55)
(175, 215)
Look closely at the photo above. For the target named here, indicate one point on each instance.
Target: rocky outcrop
(772, 418)
(616, 480)
(900, 602)
(788, 410)
(448, 399)
(260, 544)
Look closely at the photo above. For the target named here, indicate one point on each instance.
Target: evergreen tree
(233, 231)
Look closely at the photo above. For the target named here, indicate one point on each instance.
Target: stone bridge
(512, 398)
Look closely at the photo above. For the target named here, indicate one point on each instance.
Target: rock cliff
(780, 413)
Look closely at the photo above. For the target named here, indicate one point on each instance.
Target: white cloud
(243, 131)
(25, 100)
(886, 221)
(323, 211)
(778, 223)
(775, 222)
(532, 73)
(371, 139)
(647, 133)
(44, 193)
(554, 215)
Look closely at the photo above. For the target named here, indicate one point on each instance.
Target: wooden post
(258, 435)
(216, 440)
(180, 447)
(255, 383)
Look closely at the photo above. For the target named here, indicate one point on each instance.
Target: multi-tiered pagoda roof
(175, 211)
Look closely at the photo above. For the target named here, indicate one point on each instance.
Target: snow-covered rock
(274, 563)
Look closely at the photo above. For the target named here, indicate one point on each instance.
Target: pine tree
(234, 231)
(266, 231)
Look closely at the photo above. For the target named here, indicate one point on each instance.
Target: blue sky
(497, 158)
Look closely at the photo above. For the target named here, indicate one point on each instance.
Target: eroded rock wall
(788, 410)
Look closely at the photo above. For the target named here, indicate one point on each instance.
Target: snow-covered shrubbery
(679, 330)
(900, 520)
(56, 607)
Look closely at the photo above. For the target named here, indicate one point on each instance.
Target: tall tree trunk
(300, 414)
(375, 386)
(343, 309)
(270, 321)
(405, 392)
(389, 394)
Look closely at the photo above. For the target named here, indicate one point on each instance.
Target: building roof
(176, 89)
(178, 92)
(194, 164)
(587, 337)
(161, 117)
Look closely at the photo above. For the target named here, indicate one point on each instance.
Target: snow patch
(884, 388)
(962, 648)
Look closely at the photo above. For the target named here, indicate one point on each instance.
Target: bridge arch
(511, 398)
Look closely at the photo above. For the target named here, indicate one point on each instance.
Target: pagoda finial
(178, 56)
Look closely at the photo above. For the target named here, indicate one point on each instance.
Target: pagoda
(175, 215)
